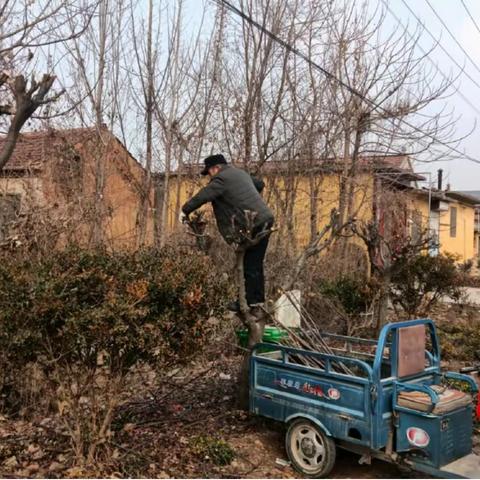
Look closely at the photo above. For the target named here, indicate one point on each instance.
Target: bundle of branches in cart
(307, 336)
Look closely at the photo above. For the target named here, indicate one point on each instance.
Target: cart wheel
(310, 450)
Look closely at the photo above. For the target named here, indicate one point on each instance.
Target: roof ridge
(50, 131)
(33, 147)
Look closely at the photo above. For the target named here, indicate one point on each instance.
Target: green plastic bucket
(270, 335)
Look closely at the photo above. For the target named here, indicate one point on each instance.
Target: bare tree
(256, 320)
(24, 28)
(146, 74)
(185, 91)
(389, 243)
(96, 72)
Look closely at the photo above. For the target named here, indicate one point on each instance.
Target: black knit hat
(212, 161)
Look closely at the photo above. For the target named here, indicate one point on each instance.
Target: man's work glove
(183, 218)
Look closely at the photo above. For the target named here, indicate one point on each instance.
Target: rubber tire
(330, 450)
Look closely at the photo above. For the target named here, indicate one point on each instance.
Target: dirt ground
(156, 437)
(158, 428)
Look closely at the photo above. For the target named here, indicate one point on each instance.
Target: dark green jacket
(232, 191)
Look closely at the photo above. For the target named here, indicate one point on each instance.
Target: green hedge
(147, 306)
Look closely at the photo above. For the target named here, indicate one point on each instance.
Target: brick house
(52, 178)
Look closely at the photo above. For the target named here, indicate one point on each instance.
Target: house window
(9, 211)
(453, 221)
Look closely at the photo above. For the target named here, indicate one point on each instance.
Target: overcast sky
(461, 174)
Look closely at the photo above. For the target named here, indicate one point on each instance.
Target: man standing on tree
(232, 191)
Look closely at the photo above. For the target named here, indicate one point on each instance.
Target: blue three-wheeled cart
(385, 400)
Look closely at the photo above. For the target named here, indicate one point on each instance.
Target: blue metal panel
(311, 418)
(450, 436)
(382, 418)
(393, 328)
(339, 402)
(456, 435)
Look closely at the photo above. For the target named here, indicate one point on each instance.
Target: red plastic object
(478, 404)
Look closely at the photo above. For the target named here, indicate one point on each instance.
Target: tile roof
(463, 197)
(33, 148)
(386, 163)
(472, 193)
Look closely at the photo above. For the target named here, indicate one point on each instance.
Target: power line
(428, 56)
(462, 69)
(452, 35)
(329, 75)
(471, 16)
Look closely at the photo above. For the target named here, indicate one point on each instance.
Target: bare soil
(157, 427)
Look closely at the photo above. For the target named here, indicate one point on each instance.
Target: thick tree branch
(320, 243)
(4, 77)
(6, 110)
(27, 100)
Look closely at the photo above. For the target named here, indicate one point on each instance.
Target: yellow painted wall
(463, 244)
(293, 218)
(279, 192)
(420, 204)
(290, 200)
(476, 265)
(180, 191)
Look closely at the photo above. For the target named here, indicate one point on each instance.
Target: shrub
(466, 267)
(460, 342)
(151, 306)
(353, 294)
(85, 318)
(424, 281)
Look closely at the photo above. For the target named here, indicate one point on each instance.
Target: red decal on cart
(334, 394)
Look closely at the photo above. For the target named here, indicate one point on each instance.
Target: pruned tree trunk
(383, 298)
(255, 335)
(256, 323)
(100, 158)
(254, 326)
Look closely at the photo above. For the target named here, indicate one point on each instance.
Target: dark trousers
(253, 272)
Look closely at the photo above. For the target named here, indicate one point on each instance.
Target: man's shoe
(234, 307)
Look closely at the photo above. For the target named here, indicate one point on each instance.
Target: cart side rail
(326, 359)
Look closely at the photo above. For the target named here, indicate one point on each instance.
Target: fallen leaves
(54, 466)
(11, 462)
(152, 439)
